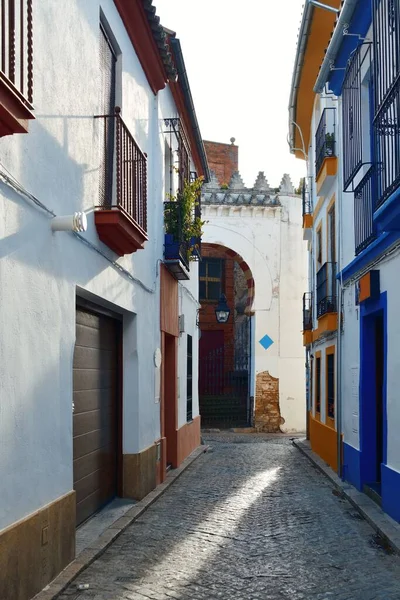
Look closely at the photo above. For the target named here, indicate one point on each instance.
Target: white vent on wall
(181, 320)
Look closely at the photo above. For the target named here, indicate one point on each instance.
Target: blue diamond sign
(266, 342)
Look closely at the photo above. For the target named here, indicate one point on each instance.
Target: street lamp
(222, 310)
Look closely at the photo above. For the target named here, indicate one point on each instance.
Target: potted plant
(183, 229)
(329, 144)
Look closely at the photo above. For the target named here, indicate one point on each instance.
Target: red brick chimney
(223, 159)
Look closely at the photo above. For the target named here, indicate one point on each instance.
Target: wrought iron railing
(174, 126)
(355, 153)
(16, 46)
(306, 200)
(386, 44)
(307, 312)
(386, 73)
(387, 145)
(364, 229)
(326, 289)
(126, 187)
(325, 138)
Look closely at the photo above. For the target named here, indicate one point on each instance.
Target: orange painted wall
(324, 442)
(188, 439)
(318, 40)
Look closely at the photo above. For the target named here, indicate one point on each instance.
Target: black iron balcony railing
(364, 230)
(307, 312)
(16, 46)
(355, 136)
(325, 138)
(326, 289)
(306, 199)
(387, 145)
(130, 178)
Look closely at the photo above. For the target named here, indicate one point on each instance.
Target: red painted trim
(14, 110)
(134, 17)
(119, 232)
(184, 115)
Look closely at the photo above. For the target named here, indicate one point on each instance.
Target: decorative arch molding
(231, 254)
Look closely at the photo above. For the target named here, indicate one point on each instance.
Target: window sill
(15, 110)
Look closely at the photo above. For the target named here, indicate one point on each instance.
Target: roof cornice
(149, 40)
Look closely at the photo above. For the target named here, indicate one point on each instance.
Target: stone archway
(225, 355)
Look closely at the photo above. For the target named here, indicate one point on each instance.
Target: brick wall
(223, 159)
(267, 414)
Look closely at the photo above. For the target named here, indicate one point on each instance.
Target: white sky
(239, 58)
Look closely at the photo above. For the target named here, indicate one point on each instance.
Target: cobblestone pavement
(251, 519)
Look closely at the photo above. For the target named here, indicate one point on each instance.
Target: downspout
(345, 16)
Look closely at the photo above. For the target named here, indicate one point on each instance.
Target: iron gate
(224, 381)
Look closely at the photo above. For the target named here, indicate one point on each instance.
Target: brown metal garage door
(95, 424)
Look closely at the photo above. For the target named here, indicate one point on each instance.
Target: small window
(189, 379)
(331, 385)
(332, 235)
(319, 246)
(210, 284)
(318, 385)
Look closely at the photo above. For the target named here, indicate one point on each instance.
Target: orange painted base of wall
(324, 442)
(188, 439)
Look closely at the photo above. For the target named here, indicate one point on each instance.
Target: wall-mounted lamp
(222, 310)
(76, 222)
(324, 6)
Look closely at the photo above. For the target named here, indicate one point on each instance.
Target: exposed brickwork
(223, 159)
(267, 414)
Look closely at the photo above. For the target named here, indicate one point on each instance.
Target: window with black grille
(386, 44)
(318, 385)
(330, 392)
(210, 279)
(355, 114)
(108, 61)
(189, 379)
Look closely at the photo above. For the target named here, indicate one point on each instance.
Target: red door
(211, 364)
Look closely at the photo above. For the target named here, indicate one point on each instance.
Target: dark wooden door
(211, 362)
(95, 425)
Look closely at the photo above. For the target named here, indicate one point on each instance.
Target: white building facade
(261, 229)
(82, 375)
(354, 311)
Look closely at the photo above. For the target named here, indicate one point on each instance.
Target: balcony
(176, 249)
(326, 300)
(364, 228)
(16, 66)
(121, 216)
(325, 151)
(307, 213)
(183, 228)
(387, 148)
(307, 318)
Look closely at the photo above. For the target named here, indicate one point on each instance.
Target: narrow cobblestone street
(250, 519)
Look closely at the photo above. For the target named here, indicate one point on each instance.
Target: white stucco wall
(269, 239)
(42, 272)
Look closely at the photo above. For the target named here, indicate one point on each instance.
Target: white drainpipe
(344, 19)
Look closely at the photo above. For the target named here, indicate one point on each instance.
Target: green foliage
(179, 214)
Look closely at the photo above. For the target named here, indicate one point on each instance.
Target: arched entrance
(225, 350)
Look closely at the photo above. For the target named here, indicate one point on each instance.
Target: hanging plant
(179, 216)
